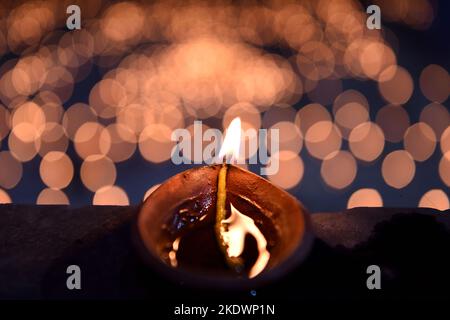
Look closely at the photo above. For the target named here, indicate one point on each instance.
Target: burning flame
(232, 142)
(238, 225)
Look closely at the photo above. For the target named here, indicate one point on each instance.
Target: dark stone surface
(37, 243)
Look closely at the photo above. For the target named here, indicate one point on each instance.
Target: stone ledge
(37, 243)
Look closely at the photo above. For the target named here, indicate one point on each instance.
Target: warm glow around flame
(232, 141)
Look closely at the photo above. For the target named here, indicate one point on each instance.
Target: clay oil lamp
(222, 226)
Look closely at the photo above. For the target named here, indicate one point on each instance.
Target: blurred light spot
(155, 143)
(290, 137)
(436, 199)
(444, 168)
(53, 111)
(120, 142)
(23, 142)
(75, 49)
(366, 141)
(28, 75)
(323, 138)
(339, 169)
(60, 81)
(349, 96)
(278, 113)
(53, 139)
(435, 83)
(167, 114)
(89, 140)
(296, 25)
(9, 178)
(111, 196)
(396, 85)
(123, 21)
(445, 141)
(31, 114)
(136, 117)
(4, 197)
(77, 115)
(394, 120)
(291, 169)
(365, 198)
(376, 57)
(97, 171)
(49, 102)
(436, 116)
(106, 97)
(5, 124)
(349, 116)
(315, 60)
(309, 115)
(420, 141)
(398, 169)
(350, 109)
(56, 170)
(51, 196)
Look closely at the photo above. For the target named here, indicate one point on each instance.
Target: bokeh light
(366, 141)
(437, 117)
(155, 143)
(56, 170)
(11, 171)
(436, 199)
(350, 109)
(339, 169)
(291, 169)
(315, 60)
(309, 115)
(111, 195)
(91, 139)
(444, 168)
(23, 142)
(394, 121)
(118, 142)
(290, 137)
(53, 138)
(4, 122)
(420, 141)
(435, 83)
(77, 115)
(322, 139)
(365, 197)
(81, 103)
(4, 197)
(52, 196)
(398, 169)
(445, 141)
(97, 171)
(396, 85)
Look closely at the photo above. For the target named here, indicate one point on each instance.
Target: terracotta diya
(222, 226)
